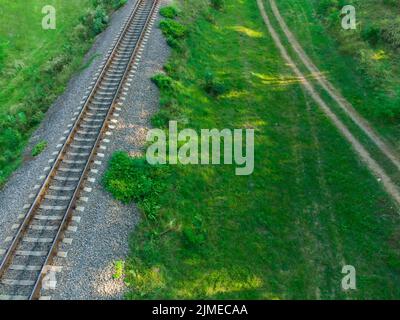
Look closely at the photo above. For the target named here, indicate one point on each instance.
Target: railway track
(31, 251)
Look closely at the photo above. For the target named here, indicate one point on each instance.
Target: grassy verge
(36, 64)
(286, 231)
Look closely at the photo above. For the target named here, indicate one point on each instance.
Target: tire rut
(334, 93)
(364, 155)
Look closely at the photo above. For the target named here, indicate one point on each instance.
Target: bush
(194, 234)
(217, 4)
(162, 81)
(213, 86)
(169, 12)
(114, 4)
(56, 64)
(81, 32)
(133, 179)
(100, 20)
(371, 33)
(119, 3)
(38, 149)
(95, 20)
(173, 29)
(192, 238)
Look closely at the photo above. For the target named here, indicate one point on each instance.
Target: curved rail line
(35, 244)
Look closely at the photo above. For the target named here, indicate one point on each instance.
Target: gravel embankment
(102, 234)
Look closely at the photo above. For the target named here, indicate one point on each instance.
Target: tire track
(334, 93)
(364, 155)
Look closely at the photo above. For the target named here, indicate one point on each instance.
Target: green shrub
(213, 86)
(173, 29)
(56, 64)
(95, 20)
(217, 4)
(192, 238)
(194, 234)
(81, 32)
(38, 148)
(169, 12)
(100, 20)
(162, 81)
(119, 3)
(133, 179)
(114, 4)
(371, 33)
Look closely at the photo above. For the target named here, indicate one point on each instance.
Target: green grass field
(36, 64)
(286, 231)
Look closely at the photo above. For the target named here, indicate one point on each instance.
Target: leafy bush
(194, 233)
(133, 179)
(213, 86)
(11, 141)
(95, 20)
(217, 4)
(169, 12)
(100, 20)
(38, 149)
(162, 81)
(81, 32)
(56, 64)
(173, 28)
(173, 31)
(371, 33)
(119, 3)
(114, 4)
(192, 238)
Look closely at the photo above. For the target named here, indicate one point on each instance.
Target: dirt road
(364, 155)
(334, 93)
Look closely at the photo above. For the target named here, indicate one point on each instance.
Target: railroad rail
(35, 244)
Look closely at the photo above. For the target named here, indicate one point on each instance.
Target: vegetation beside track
(35, 64)
(286, 231)
(38, 148)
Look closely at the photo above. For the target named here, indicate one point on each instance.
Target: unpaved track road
(364, 155)
(334, 93)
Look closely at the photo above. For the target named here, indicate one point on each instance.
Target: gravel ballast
(103, 231)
